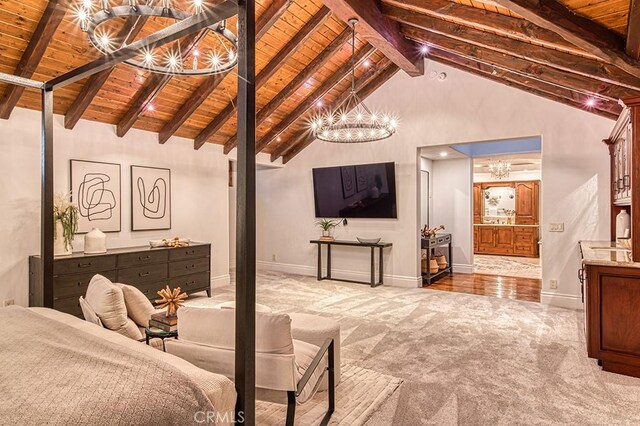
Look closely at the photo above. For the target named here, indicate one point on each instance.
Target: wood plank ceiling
(583, 53)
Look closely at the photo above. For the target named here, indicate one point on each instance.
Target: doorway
(494, 214)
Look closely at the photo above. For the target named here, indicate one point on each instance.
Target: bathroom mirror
(499, 203)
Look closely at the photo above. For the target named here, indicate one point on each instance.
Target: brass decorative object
(175, 242)
(171, 299)
(431, 232)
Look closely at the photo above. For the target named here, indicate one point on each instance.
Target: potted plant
(327, 227)
(65, 219)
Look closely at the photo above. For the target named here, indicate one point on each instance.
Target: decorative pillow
(139, 308)
(107, 301)
(88, 312)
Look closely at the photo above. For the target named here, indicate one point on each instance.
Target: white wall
(463, 108)
(200, 200)
(452, 207)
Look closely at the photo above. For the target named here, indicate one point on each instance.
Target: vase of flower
(65, 217)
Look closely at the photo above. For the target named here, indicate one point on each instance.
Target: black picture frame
(143, 220)
(117, 198)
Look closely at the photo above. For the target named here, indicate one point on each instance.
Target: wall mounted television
(357, 191)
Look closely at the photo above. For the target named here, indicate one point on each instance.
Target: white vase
(59, 247)
(95, 241)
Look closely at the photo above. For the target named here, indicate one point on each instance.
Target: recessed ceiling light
(150, 107)
(444, 154)
(477, 166)
(424, 49)
(279, 139)
(367, 63)
(591, 102)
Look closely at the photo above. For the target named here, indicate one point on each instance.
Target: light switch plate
(556, 227)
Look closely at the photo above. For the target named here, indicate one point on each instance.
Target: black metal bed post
(46, 202)
(246, 217)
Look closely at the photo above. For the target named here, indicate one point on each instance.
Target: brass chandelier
(354, 122)
(92, 14)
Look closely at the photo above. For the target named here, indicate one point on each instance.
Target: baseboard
(569, 301)
(462, 269)
(221, 280)
(310, 271)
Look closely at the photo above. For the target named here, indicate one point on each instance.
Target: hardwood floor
(525, 289)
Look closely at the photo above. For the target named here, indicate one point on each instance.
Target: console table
(148, 269)
(380, 246)
(429, 244)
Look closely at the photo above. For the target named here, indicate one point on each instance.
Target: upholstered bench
(315, 329)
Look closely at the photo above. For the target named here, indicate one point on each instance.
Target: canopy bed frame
(246, 220)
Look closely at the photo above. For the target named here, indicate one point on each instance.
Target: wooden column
(246, 216)
(46, 215)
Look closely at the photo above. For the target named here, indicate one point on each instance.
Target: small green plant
(67, 213)
(328, 225)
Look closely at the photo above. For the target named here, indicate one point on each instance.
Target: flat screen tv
(358, 191)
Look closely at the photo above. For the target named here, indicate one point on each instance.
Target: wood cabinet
(527, 201)
(621, 165)
(147, 269)
(613, 318)
(507, 240)
(477, 203)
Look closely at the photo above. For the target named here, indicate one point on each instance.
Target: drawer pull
(79, 283)
(84, 265)
(144, 257)
(144, 274)
(190, 267)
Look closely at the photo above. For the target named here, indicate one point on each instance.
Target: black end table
(158, 333)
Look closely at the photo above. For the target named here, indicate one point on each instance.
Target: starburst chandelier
(499, 169)
(354, 122)
(93, 16)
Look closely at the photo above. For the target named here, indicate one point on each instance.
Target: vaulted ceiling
(583, 53)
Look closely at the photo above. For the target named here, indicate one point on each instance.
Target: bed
(58, 369)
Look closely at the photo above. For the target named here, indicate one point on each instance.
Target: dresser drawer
(182, 253)
(143, 274)
(69, 305)
(76, 285)
(151, 289)
(84, 264)
(524, 238)
(142, 258)
(190, 283)
(187, 267)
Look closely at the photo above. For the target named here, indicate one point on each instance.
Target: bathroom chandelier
(354, 122)
(92, 14)
(499, 169)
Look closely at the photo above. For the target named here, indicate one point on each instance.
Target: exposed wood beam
(127, 34)
(313, 98)
(211, 83)
(381, 32)
(582, 32)
(442, 32)
(315, 65)
(485, 20)
(46, 28)
(370, 86)
(605, 108)
(153, 86)
(633, 30)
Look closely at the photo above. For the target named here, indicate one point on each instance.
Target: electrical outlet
(274, 257)
(556, 227)
(8, 302)
(553, 284)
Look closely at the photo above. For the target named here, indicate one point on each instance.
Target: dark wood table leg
(329, 261)
(450, 259)
(381, 267)
(373, 266)
(319, 262)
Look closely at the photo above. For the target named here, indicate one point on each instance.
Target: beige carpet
(360, 393)
(464, 359)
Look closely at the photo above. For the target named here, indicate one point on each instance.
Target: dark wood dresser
(612, 296)
(149, 269)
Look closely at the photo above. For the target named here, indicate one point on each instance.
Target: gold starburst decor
(171, 299)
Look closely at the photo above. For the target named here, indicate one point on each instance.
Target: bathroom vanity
(506, 218)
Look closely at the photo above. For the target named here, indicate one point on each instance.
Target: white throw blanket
(55, 374)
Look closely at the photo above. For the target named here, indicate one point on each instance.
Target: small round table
(157, 333)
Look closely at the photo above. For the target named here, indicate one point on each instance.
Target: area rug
(360, 393)
(520, 267)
